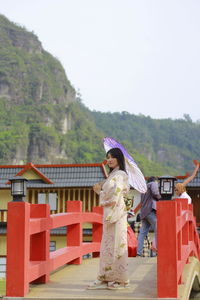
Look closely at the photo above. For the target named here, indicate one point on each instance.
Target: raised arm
(186, 181)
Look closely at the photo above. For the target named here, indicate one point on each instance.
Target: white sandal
(117, 285)
(98, 285)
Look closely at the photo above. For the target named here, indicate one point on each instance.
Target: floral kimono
(113, 253)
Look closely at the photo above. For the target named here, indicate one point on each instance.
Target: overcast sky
(140, 56)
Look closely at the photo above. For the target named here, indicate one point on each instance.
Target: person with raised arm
(180, 188)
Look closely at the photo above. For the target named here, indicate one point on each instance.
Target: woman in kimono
(113, 268)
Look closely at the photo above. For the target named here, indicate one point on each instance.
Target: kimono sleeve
(112, 190)
(114, 194)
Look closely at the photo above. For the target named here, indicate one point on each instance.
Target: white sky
(140, 56)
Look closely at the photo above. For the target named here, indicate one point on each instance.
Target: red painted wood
(31, 166)
(39, 242)
(97, 229)
(18, 249)
(74, 231)
(28, 257)
(167, 249)
(177, 240)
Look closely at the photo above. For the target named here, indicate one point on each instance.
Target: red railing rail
(178, 239)
(28, 238)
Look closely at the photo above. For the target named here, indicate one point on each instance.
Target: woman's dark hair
(117, 153)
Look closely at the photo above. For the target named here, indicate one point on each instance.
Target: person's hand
(196, 162)
(97, 188)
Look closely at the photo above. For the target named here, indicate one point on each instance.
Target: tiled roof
(31, 166)
(84, 175)
(59, 231)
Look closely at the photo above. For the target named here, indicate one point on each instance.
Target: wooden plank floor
(71, 282)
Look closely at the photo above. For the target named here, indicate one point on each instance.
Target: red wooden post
(191, 228)
(167, 249)
(97, 229)
(179, 234)
(185, 230)
(74, 231)
(39, 242)
(18, 249)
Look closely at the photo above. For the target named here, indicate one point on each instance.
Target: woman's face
(177, 191)
(112, 162)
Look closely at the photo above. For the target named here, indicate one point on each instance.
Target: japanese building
(52, 184)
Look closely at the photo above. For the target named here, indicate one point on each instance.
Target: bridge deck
(71, 281)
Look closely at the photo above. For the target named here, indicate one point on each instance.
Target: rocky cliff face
(27, 70)
(35, 92)
(42, 120)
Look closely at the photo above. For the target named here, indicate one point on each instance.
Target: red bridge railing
(28, 238)
(178, 239)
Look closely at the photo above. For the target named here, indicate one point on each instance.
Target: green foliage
(42, 122)
(83, 142)
(34, 95)
(173, 144)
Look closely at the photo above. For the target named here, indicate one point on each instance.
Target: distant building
(52, 184)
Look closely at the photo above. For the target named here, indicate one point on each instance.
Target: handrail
(177, 239)
(28, 236)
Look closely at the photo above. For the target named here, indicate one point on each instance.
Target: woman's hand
(97, 188)
(109, 203)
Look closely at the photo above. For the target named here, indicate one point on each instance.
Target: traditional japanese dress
(113, 253)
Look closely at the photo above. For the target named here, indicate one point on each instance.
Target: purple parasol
(136, 178)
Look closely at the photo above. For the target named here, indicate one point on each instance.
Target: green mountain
(43, 121)
(34, 97)
(171, 143)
